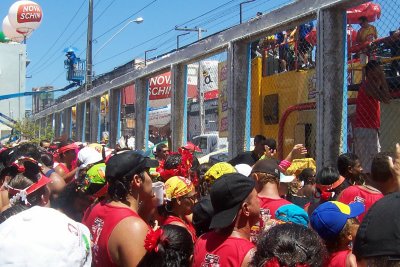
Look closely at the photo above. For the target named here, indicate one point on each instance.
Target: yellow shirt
(367, 34)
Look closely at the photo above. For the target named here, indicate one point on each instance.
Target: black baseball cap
(227, 195)
(127, 163)
(379, 232)
(269, 166)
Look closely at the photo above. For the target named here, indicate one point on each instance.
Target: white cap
(88, 155)
(244, 169)
(286, 178)
(44, 237)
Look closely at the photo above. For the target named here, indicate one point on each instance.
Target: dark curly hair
(290, 244)
(174, 249)
(173, 161)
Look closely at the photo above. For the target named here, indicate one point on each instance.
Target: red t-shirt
(101, 221)
(338, 259)
(213, 249)
(269, 205)
(368, 110)
(358, 193)
(189, 226)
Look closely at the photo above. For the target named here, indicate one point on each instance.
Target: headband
(24, 193)
(66, 148)
(331, 186)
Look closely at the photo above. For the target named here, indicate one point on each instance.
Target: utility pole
(241, 8)
(177, 38)
(89, 48)
(200, 92)
(145, 55)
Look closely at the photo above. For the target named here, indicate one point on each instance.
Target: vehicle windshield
(201, 142)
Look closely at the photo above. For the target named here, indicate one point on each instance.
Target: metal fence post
(67, 121)
(330, 82)
(80, 121)
(94, 119)
(178, 102)
(114, 115)
(237, 91)
(142, 95)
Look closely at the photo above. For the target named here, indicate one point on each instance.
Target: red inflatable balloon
(371, 11)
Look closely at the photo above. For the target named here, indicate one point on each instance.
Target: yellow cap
(217, 170)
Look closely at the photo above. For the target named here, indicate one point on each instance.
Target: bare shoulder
(248, 257)
(126, 242)
(59, 170)
(351, 260)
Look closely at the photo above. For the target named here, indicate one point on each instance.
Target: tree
(28, 130)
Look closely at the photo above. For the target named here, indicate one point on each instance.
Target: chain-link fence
(127, 117)
(207, 125)
(373, 79)
(283, 88)
(282, 97)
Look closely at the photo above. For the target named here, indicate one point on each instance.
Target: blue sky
(64, 24)
(46, 52)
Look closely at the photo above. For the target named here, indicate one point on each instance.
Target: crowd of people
(74, 204)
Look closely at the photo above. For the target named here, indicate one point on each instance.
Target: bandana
(177, 186)
(66, 148)
(217, 170)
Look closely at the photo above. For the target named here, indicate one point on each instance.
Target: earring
(350, 245)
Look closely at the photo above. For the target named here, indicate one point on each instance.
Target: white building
(12, 80)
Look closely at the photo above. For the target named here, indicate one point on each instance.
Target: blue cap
(329, 218)
(292, 213)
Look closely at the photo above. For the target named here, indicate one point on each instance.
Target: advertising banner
(222, 100)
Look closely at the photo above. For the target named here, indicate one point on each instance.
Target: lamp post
(241, 7)
(138, 21)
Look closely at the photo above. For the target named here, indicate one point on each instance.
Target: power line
(46, 64)
(61, 34)
(162, 34)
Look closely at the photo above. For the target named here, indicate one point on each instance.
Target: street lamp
(137, 20)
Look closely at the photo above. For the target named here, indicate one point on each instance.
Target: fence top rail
(279, 19)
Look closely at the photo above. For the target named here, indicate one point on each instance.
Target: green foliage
(28, 130)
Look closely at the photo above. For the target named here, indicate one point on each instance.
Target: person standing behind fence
(304, 46)
(367, 33)
(372, 91)
(251, 157)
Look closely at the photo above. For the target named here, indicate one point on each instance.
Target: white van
(209, 143)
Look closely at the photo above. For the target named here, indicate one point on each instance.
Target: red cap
(193, 147)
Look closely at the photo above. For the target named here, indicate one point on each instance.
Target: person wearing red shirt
(68, 155)
(117, 231)
(180, 198)
(266, 175)
(365, 194)
(367, 120)
(237, 209)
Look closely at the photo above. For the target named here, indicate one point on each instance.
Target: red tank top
(101, 221)
(189, 226)
(268, 206)
(368, 110)
(64, 167)
(213, 249)
(338, 259)
(358, 193)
